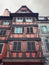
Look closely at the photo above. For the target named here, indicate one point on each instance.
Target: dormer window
(24, 11)
(6, 22)
(19, 19)
(28, 19)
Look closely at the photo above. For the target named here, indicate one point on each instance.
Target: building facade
(43, 26)
(20, 42)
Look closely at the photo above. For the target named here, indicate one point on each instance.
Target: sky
(37, 6)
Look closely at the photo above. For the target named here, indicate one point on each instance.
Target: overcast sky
(37, 6)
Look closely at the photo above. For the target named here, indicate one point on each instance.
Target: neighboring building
(43, 26)
(19, 38)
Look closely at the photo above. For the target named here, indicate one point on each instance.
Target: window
(2, 32)
(28, 19)
(45, 29)
(1, 46)
(19, 19)
(19, 30)
(30, 46)
(24, 11)
(47, 43)
(17, 46)
(30, 30)
(5, 22)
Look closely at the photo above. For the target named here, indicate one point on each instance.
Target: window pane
(6, 23)
(1, 46)
(28, 46)
(47, 43)
(48, 28)
(19, 19)
(33, 46)
(27, 30)
(19, 46)
(44, 29)
(2, 32)
(15, 46)
(31, 30)
(23, 11)
(28, 19)
(18, 30)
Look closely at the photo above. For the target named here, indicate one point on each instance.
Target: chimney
(6, 12)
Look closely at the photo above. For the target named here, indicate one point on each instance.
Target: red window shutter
(14, 55)
(10, 47)
(39, 54)
(27, 54)
(20, 55)
(33, 54)
(7, 55)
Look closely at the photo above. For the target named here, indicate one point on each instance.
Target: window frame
(19, 27)
(30, 31)
(2, 48)
(18, 42)
(5, 21)
(3, 31)
(17, 18)
(32, 42)
(47, 32)
(28, 18)
(46, 44)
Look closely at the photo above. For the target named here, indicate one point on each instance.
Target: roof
(5, 18)
(24, 8)
(24, 15)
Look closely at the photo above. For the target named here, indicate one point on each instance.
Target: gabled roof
(24, 8)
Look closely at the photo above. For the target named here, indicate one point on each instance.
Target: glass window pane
(48, 28)
(33, 46)
(47, 43)
(27, 30)
(44, 29)
(1, 46)
(28, 46)
(19, 19)
(18, 30)
(28, 19)
(5, 22)
(31, 30)
(19, 46)
(2, 32)
(15, 46)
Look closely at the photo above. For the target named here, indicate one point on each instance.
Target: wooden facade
(20, 38)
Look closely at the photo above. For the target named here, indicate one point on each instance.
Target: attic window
(1, 46)
(19, 19)
(28, 19)
(23, 11)
(6, 22)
